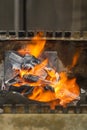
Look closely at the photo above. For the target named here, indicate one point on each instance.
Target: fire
(75, 58)
(36, 46)
(49, 86)
(66, 89)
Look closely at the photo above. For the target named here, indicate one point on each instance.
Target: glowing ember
(49, 85)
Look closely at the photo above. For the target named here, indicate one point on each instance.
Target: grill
(14, 102)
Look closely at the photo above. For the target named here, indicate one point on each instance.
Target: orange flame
(75, 58)
(36, 46)
(63, 91)
(66, 89)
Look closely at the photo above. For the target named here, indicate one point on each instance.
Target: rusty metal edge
(48, 35)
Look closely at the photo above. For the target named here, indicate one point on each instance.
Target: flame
(63, 91)
(75, 58)
(40, 95)
(36, 46)
(38, 69)
(66, 89)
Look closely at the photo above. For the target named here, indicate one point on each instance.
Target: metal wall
(43, 15)
(49, 14)
(6, 14)
(11, 14)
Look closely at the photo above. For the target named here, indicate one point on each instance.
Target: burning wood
(25, 62)
(30, 78)
(37, 80)
(24, 89)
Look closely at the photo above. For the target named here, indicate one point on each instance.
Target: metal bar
(58, 35)
(36, 108)
(24, 15)
(76, 16)
(47, 34)
(56, 39)
(16, 15)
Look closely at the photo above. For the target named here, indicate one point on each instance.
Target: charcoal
(28, 61)
(31, 78)
(49, 88)
(16, 60)
(31, 59)
(26, 66)
(22, 88)
(12, 80)
(29, 91)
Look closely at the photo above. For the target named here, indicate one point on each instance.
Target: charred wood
(49, 88)
(28, 61)
(26, 88)
(31, 78)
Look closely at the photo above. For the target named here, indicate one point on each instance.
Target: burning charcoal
(12, 80)
(31, 78)
(28, 89)
(26, 66)
(30, 61)
(49, 88)
(16, 60)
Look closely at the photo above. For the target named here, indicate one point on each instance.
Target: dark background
(43, 15)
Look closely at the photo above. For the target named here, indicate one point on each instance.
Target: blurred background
(69, 15)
